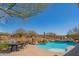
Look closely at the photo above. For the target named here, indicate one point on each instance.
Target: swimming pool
(56, 45)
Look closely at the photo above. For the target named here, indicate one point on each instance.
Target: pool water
(56, 45)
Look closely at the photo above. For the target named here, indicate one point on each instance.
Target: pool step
(57, 50)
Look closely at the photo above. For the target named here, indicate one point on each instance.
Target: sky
(55, 18)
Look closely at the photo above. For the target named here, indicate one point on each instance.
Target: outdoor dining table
(13, 45)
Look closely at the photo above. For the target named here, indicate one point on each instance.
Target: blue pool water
(56, 44)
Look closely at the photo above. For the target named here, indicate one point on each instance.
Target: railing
(14, 46)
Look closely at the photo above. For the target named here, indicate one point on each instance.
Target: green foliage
(3, 45)
(22, 10)
(11, 6)
(74, 36)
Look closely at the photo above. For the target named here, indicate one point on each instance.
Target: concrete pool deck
(74, 51)
(32, 50)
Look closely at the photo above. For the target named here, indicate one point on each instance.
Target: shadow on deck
(73, 52)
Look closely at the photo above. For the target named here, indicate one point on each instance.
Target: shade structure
(22, 10)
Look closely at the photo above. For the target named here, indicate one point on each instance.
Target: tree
(78, 4)
(20, 35)
(22, 10)
(74, 30)
(20, 30)
(32, 33)
(74, 33)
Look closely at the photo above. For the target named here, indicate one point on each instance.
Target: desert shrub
(42, 41)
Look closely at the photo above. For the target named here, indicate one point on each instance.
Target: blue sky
(56, 18)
